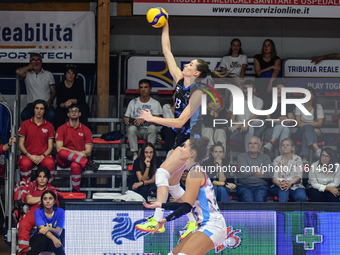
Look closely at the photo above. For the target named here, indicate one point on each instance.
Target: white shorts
(216, 230)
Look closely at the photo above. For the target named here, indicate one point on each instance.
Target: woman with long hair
(267, 65)
(309, 131)
(144, 167)
(288, 172)
(187, 123)
(324, 178)
(235, 61)
(198, 197)
(50, 222)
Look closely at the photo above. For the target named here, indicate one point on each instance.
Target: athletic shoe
(267, 148)
(190, 226)
(92, 166)
(149, 226)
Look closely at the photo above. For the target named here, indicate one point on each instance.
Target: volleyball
(157, 17)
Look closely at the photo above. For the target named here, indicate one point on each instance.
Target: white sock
(170, 253)
(181, 253)
(191, 217)
(158, 214)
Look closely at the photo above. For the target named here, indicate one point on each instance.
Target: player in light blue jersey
(200, 199)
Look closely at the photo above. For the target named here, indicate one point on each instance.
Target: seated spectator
(278, 131)
(27, 223)
(139, 128)
(317, 59)
(40, 84)
(235, 61)
(288, 170)
(324, 178)
(145, 167)
(50, 222)
(74, 146)
(309, 131)
(252, 168)
(215, 111)
(242, 132)
(36, 142)
(167, 133)
(70, 91)
(338, 141)
(216, 167)
(267, 67)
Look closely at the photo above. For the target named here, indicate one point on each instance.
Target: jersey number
(178, 103)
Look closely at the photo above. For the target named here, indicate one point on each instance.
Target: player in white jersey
(200, 199)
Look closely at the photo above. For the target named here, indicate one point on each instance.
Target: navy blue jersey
(194, 124)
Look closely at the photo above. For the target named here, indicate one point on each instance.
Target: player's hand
(153, 205)
(145, 115)
(159, 225)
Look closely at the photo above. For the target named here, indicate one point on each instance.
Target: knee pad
(162, 177)
(176, 191)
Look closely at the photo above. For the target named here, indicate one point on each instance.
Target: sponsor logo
(158, 73)
(309, 239)
(232, 241)
(125, 229)
(81, 134)
(44, 130)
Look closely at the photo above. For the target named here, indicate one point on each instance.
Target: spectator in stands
(50, 222)
(3, 149)
(279, 131)
(7, 146)
(252, 168)
(139, 128)
(27, 223)
(324, 178)
(74, 146)
(70, 91)
(216, 167)
(242, 132)
(167, 133)
(40, 84)
(309, 131)
(215, 134)
(235, 61)
(267, 65)
(144, 168)
(36, 142)
(317, 59)
(288, 170)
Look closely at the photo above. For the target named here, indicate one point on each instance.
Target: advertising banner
(323, 77)
(60, 37)
(243, 8)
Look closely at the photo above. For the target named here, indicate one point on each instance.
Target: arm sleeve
(59, 94)
(179, 209)
(129, 109)
(156, 108)
(61, 218)
(244, 60)
(51, 80)
(223, 62)
(1, 150)
(39, 221)
(81, 93)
